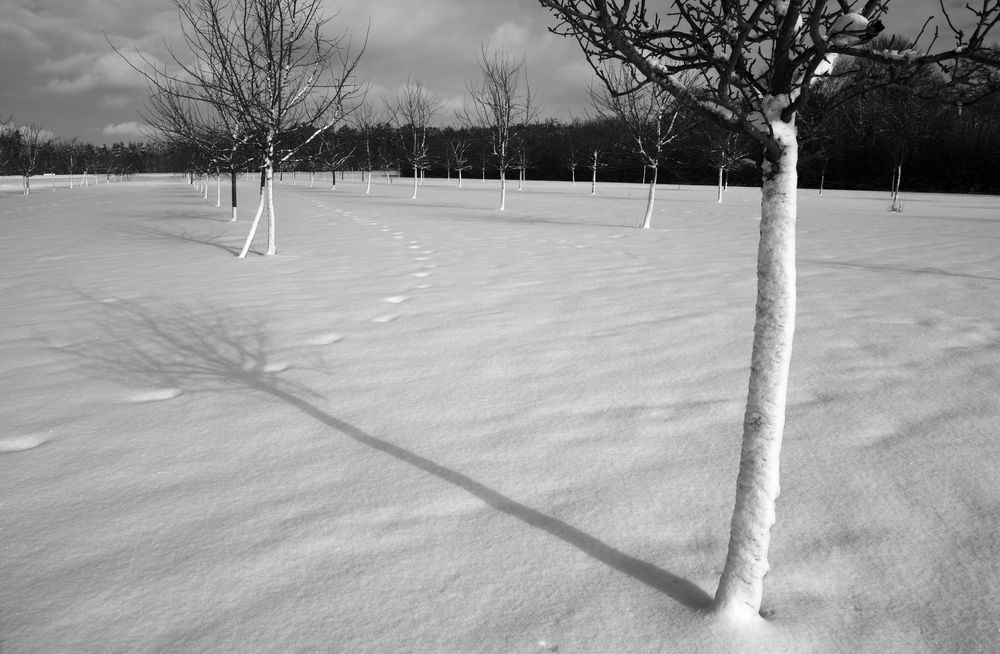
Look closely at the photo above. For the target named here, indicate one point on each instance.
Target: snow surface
(428, 426)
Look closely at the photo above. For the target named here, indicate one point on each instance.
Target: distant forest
(858, 145)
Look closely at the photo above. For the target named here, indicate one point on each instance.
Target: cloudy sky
(57, 70)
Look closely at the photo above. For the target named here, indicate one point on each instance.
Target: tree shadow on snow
(156, 233)
(881, 267)
(202, 348)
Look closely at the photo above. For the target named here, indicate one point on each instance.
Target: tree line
(942, 149)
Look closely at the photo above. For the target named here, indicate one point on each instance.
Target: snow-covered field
(428, 426)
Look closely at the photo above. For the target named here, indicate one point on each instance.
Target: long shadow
(148, 232)
(896, 268)
(205, 349)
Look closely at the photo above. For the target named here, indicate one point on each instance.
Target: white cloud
(130, 129)
(89, 72)
(509, 36)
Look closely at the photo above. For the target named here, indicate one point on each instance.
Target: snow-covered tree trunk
(269, 192)
(253, 225)
(647, 220)
(368, 188)
(720, 190)
(740, 590)
(593, 182)
(218, 188)
(416, 181)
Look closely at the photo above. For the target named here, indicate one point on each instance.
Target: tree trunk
(256, 221)
(416, 180)
(232, 190)
(647, 220)
(719, 194)
(368, 188)
(269, 192)
(503, 189)
(218, 188)
(740, 589)
(896, 178)
(459, 178)
(593, 182)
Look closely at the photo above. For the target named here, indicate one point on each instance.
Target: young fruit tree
(264, 67)
(726, 151)
(755, 64)
(652, 118)
(366, 121)
(412, 111)
(180, 114)
(500, 106)
(27, 144)
(458, 150)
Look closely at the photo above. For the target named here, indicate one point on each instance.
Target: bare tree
(412, 111)
(502, 106)
(68, 151)
(652, 118)
(332, 153)
(756, 63)
(572, 163)
(458, 149)
(727, 151)
(366, 120)
(176, 113)
(28, 142)
(263, 68)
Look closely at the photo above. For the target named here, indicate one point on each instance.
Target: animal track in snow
(155, 395)
(326, 339)
(21, 443)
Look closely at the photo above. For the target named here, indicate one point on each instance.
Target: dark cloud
(59, 71)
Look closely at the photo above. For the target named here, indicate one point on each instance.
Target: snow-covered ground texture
(429, 426)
